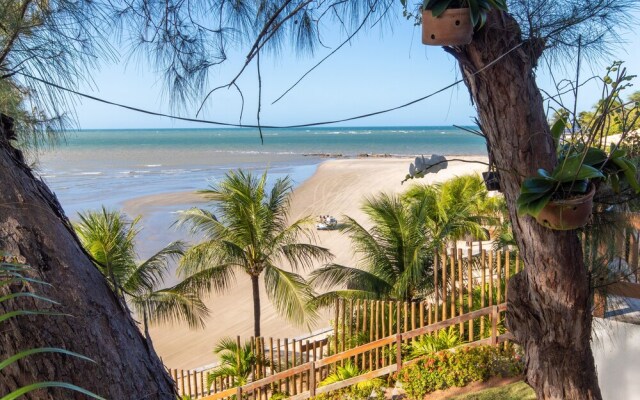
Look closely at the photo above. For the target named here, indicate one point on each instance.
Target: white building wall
(616, 349)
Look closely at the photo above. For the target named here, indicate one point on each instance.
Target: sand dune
(337, 188)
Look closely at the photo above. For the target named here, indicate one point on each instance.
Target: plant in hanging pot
(563, 198)
(585, 172)
(451, 22)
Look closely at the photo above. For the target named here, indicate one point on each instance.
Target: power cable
(311, 124)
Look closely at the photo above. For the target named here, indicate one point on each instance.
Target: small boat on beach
(326, 223)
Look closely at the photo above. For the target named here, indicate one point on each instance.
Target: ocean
(93, 168)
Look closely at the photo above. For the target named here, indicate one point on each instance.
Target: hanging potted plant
(451, 22)
(563, 198)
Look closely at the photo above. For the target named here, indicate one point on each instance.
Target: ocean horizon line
(283, 127)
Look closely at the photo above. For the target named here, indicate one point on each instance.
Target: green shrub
(429, 344)
(359, 391)
(447, 369)
(279, 396)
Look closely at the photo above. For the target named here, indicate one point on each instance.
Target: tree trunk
(34, 228)
(255, 285)
(548, 303)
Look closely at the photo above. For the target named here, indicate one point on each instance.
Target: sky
(379, 69)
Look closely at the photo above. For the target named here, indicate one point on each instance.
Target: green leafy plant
(236, 362)
(110, 237)
(578, 165)
(362, 390)
(478, 8)
(581, 157)
(448, 369)
(13, 274)
(442, 340)
(251, 233)
(569, 178)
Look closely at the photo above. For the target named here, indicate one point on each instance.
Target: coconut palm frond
(304, 255)
(171, 305)
(200, 221)
(210, 254)
(150, 273)
(251, 232)
(218, 278)
(236, 362)
(328, 299)
(110, 238)
(332, 275)
(290, 294)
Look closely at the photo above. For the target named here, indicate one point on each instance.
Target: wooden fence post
(239, 392)
(399, 351)
(312, 379)
(460, 291)
(444, 286)
(335, 330)
(286, 362)
(452, 271)
(470, 290)
(494, 325)
(435, 279)
(483, 282)
(490, 276)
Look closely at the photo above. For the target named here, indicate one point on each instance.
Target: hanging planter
(452, 28)
(563, 198)
(451, 22)
(563, 215)
(492, 180)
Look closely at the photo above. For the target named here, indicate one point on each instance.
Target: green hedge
(447, 369)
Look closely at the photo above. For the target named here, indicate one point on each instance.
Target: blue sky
(380, 69)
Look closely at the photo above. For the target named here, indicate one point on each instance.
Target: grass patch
(514, 391)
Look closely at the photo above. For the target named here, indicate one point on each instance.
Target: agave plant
(14, 274)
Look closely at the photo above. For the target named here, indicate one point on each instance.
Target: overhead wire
(259, 126)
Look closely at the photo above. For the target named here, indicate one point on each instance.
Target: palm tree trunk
(548, 303)
(34, 228)
(145, 321)
(256, 305)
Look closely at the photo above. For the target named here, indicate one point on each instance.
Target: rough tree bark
(34, 228)
(549, 303)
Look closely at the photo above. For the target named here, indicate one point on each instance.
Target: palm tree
(109, 237)
(251, 234)
(455, 208)
(236, 362)
(395, 256)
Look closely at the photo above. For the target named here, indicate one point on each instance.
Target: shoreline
(337, 187)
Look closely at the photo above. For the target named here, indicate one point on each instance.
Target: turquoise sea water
(109, 167)
(97, 167)
(344, 141)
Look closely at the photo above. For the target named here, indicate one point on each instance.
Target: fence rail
(464, 281)
(311, 372)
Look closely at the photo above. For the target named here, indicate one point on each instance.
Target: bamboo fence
(463, 282)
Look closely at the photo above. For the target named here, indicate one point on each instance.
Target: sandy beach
(337, 188)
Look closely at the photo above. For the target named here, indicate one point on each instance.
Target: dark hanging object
(492, 180)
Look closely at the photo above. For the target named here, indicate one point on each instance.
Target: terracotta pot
(563, 215)
(491, 180)
(451, 28)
